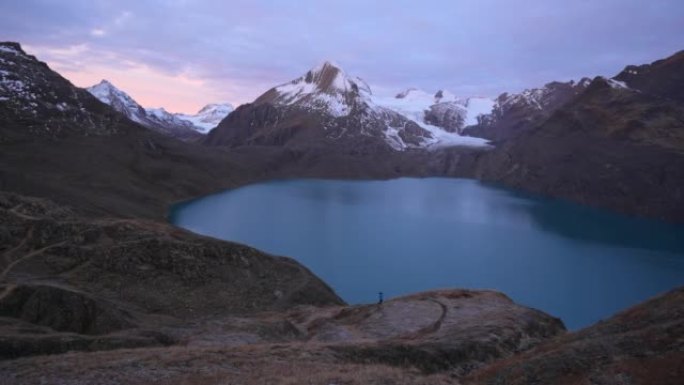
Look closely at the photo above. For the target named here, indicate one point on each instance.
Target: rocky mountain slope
(328, 108)
(662, 78)
(641, 345)
(512, 114)
(433, 332)
(36, 102)
(65, 279)
(612, 146)
(208, 117)
(59, 141)
(156, 119)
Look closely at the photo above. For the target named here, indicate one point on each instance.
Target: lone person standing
(380, 298)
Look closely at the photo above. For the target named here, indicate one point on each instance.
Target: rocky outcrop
(62, 309)
(514, 114)
(641, 345)
(662, 78)
(451, 330)
(450, 116)
(96, 277)
(431, 337)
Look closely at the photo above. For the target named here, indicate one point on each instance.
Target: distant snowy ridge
(442, 109)
(208, 117)
(157, 119)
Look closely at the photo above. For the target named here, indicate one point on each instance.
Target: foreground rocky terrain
(641, 345)
(425, 338)
(62, 273)
(70, 283)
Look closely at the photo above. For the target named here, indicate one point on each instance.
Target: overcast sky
(182, 54)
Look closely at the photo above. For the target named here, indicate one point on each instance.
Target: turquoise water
(407, 235)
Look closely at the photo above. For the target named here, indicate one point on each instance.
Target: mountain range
(326, 106)
(181, 126)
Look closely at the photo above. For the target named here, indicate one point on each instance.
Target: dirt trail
(434, 327)
(3, 274)
(8, 290)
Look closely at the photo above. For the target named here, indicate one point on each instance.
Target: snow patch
(208, 117)
(617, 84)
(413, 103)
(476, 107)
(4, 48)
(16, 86)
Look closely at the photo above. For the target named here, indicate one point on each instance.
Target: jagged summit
(104, 83)
(324, 87)
(330, 78)
(663, 78)
(11, 47)
(107, 93)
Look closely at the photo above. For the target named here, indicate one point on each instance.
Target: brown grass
(277, 364)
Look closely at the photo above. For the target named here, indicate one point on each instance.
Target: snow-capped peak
(325, 87)
(327, 93)
(13, 48)
(329, 77)
(108, 93)
(208, 116)
(157, 119)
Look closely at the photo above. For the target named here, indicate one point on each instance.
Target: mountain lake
(406, 235)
